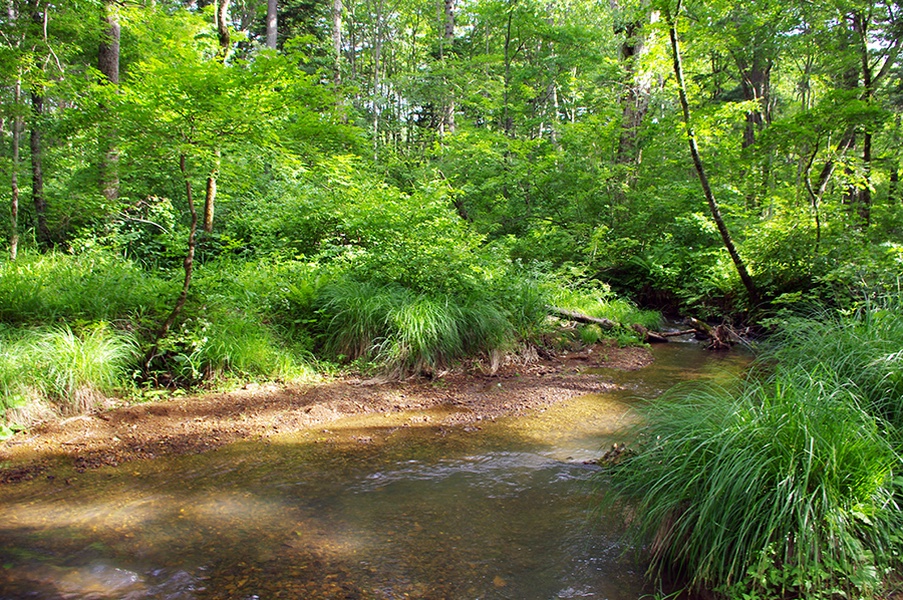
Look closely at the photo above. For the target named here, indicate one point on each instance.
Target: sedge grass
(68, 370)
(406, 332)
(787, 490)
(863, 349)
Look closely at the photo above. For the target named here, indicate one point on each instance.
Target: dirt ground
(199, 423)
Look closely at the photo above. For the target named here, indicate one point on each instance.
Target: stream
(364, 508)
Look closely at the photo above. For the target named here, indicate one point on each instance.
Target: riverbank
(201, 423)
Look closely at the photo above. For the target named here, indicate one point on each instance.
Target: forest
(198, 194)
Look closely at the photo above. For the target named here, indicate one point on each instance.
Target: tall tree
(748, 283)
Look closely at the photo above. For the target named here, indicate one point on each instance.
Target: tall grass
(604, 305)
(787, 491)
(99, 286)
(864, 349)
(228, 344)
(69, 371)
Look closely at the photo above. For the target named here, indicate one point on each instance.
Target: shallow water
(372, 507)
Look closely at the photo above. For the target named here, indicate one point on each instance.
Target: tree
(715, 211)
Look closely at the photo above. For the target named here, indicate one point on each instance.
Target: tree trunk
(447, 120)
(108, 63)
(755, 83)
(272, 24)
(45, 240)
(748, 282)
(221, 16)
(210, 196)
(635, 97)
(507, 123)
(894, 184)
(187, 265)
(337, 42)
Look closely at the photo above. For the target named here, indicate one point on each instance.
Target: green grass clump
(602, 304)
(228, 345)
(68, 370)
(789, 490)
(406, 332)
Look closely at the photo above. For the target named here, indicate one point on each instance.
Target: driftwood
(720, 337)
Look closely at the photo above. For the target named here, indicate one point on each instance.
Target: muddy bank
(201, 423)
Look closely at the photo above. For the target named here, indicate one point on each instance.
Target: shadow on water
(363, 509)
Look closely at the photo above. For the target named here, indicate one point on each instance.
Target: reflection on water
(363, 510)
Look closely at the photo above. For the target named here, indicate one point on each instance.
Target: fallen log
(582, 318)
(720, 337)
(651, 337)
(670, 334)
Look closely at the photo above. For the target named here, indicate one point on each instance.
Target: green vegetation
(788, 486)
(191, 199)
(57, 365)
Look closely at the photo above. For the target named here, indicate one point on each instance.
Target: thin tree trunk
(748, 282)
(187, 265)
(447, 121)
(210, 196)
(221, 16)
(894, 184)
(108, 63)
(14, 176)
(337, 42)
(272, 24)
(865, 193)
(507, 124)
(377, 82)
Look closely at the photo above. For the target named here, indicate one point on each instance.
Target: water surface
(371, 507)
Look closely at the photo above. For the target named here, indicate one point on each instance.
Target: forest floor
(193, 424)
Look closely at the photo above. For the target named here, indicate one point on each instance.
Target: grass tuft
(67, 370)
(788, 490)
(788, 485)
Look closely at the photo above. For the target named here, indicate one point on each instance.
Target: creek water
(370, 507)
